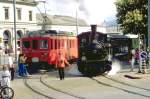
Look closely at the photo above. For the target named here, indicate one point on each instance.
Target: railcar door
(44, 49)
(26, 47)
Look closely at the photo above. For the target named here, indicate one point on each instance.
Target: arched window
(7, 37)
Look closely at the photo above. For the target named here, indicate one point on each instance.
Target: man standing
(11, 66)
(61, 62)
(132, 59)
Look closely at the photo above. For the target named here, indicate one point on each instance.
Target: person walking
(61, 63)
(148, 57)
(11, 66)
(132, 59)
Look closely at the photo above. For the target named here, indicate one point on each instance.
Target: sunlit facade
(25, 20)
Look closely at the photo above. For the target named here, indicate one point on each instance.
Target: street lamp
(77, 6)
(14, 8)
(148, 23)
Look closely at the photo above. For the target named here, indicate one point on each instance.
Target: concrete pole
(14, 8)
(148, 23)
(77, 21)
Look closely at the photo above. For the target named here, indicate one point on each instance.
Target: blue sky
(93, 11)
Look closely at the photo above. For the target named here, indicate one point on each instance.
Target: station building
(25, 20)
(28, 19)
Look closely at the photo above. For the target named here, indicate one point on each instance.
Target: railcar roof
(47, 33)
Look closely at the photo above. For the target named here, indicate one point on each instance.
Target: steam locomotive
(93, 53)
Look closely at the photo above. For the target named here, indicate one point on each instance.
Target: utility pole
(14, 8)
(148, 23)
(76, 22)
(45, 16)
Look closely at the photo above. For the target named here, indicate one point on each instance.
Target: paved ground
(48, 86)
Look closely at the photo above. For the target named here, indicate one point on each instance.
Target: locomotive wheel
(94, 68)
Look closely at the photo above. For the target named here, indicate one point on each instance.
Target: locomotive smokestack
(93, 32)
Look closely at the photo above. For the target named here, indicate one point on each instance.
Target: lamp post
(77, 6)
(14, 8)
(76, 22)
(148, 23)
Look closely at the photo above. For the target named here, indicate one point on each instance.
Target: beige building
(25, 20)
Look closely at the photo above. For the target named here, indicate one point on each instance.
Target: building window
(6, 10)
(19, 13)
(30, 15)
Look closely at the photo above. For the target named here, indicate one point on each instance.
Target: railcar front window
(26, 44)
(35, 44)
(43, 44)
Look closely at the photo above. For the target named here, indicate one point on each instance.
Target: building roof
(23, 2)
(60, 20)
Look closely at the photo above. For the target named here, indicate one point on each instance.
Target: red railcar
(41, 48)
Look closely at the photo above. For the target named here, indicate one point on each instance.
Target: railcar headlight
(35, 59)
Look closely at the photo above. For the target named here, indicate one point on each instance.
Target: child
(5, 77)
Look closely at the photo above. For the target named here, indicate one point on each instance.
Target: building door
(7, 37)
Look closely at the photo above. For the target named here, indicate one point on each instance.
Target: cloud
(94, 11)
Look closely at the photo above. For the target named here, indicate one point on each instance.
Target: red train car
(41, 48)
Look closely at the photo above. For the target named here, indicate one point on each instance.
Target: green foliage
(132, 16)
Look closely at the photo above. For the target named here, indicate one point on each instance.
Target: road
(48, 86)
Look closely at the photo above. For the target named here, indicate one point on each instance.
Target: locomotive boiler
(93, 53)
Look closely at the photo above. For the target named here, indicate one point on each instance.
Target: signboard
(143, 55)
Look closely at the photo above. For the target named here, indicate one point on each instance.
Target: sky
(93, 11)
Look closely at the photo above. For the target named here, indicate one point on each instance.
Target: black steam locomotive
(93, 53)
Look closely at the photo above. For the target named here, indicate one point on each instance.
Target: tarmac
(22, 92)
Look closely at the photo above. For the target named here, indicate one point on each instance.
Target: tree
(132, 16)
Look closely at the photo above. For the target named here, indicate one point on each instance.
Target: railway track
(121, 82)
(34, 90)
(128, 88)
(48, 89)
(52, 92)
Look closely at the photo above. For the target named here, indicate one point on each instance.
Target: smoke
(96, 11)
(116, 66)
(93, 11)
(73, 70)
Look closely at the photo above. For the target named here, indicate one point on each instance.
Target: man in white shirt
(11, 66)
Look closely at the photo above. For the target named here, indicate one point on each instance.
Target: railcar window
(35, 44)
(56, 44)
(73, 43)
(43, 44)
(69, 44)
(26, 44)
(62, 43)
(51, 43)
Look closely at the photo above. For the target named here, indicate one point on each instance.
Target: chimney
(93, 31)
